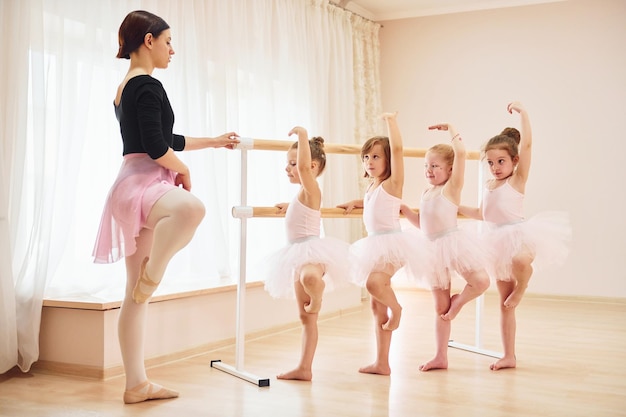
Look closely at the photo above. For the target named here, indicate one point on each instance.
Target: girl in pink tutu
(149, 214)
(453, 249)
(518, 245)
(309, 265)
(386, 248)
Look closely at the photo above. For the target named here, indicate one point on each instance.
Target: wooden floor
(571, 362)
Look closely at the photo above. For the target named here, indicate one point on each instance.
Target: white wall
(566, 62)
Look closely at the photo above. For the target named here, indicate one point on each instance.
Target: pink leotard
(438, 215)
(386, 247)
(381, 211)
(503, 205)
(301, 221)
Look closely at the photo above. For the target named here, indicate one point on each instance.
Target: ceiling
(379, 10)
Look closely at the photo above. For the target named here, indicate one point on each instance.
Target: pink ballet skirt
(455, 250)
(139, 184)
(547, 235)
(402, 248)
(283, 266)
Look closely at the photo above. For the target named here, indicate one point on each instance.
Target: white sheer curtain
(258, 67)
(14, 18)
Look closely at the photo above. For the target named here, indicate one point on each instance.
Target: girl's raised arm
(525, 145)
(396, 180)
(454, 186)
(312, 195)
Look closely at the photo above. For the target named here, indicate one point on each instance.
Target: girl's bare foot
(455, 307)
(376, 368)
(435, 363)
(515, 298)
(314, 306)
(315, 290)
(394, 319)
(506, 362)
(297, 374)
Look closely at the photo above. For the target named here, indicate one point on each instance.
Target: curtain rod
(342, 5)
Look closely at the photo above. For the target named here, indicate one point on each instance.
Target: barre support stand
(477, 348)
(240, 337)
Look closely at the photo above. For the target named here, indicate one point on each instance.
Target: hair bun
(513, 133)
(319, 140)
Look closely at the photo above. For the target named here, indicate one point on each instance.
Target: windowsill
(87, 302)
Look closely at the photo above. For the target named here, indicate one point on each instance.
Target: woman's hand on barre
(350, 205)
(282, 208)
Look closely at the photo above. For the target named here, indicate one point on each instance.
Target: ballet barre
(337, 148)
(269, 212)
(243, 212)
(327, 212)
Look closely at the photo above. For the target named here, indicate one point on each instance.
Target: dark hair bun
(513, 133)
(319, 140)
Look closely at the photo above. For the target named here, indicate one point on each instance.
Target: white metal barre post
(240, 337)
(480, 301)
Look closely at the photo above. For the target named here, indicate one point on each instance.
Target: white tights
(170, 226)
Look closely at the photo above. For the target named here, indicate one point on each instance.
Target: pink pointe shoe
(140, 394)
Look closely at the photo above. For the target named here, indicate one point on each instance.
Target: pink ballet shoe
(140, 394)
(139, 296)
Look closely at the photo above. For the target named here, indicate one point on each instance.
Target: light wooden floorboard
(571, 362)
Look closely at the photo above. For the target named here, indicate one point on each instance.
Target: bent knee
(482, 282)
(522, 262)
(310, 279)
(192, 210)
(374, 286)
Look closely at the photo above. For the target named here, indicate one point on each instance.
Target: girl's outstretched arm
(350, 205)
(411, 216)
(396, 180)
(471, 212)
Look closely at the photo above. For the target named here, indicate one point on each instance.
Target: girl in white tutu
(454, 250)
(386, 248)
(518, 245)
(309, 265)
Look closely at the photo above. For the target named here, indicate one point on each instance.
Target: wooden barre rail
(284, 145)
(334, 212)
(326, 212)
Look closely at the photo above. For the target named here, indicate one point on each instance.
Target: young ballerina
(453, 249)
(309, 265)
(517, 244)
(386, 248)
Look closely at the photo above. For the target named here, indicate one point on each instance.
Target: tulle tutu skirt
(139, 184)
(546, 235)
(404, 248)
(454, 251)
(283, 267)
